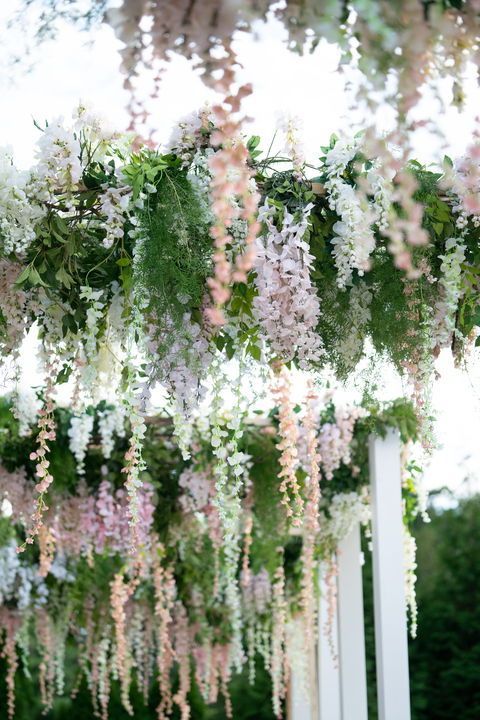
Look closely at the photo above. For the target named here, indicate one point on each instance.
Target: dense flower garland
(114, 274)
(115, 269)
(129, 620)
(110, 288)
(395, 51)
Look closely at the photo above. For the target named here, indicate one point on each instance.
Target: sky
(75, 67)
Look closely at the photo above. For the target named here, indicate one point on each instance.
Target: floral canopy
(171, 485)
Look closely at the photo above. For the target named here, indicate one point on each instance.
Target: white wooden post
(388, 579)
(328, 670)
(351, 629)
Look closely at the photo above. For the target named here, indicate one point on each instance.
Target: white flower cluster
(344, 511)
(134, 467)
(94, 314)
(335, 439)
(200, 175)
(196, 488)
(114, 205)
(111, 421)
(287, 306)
(354, 240)
(238, 231)
(381, 188)
(257, 594)
(181, 370)
(80, 433)
(350, 346)
(20, 582)
(297, 655)
(96, 132)
(59, 569)
(231, 474)
(410, 566)
(187, 135)
(450, 291)
(25, 408)
(58, 170)
(18, 214)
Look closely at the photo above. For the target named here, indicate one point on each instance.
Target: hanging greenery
(75, 593)
(200, 529)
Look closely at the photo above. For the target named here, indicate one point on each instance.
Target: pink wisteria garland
(311, 524)
(46, 435)
(289, 487)
(83, 523)
(233, 198)
(287, 306)
(173, 631)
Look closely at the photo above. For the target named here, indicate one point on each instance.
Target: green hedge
(445, 657)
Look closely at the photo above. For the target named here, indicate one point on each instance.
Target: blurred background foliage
(444, 658)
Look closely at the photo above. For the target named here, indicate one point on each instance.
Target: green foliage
(240, 310)
(446, 655)
(173, 259)
(163, 258)
(192, 557)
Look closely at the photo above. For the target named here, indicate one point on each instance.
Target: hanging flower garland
(121, 297)
(152, 607)
(416, 42)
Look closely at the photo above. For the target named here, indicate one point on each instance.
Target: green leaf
(255, 352)
(230, 350)
(63, 375)
(68, 323)
(35, 278)
(24, 276)
(64, 278)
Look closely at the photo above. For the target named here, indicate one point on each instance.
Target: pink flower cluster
(46, 434)
(287, 305)
(291, 498)
(198, 495)
(82, 523)
(335, 440)
(104, 522)
(311, 522)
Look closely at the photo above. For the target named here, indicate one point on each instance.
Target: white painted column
(328, 670)
(351, 629)
(388, 579)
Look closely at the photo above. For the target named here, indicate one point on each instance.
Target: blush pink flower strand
(119, 594)
(288, 432)
(232, 198)
(165, 592)
(47, 434)
(311, 523)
